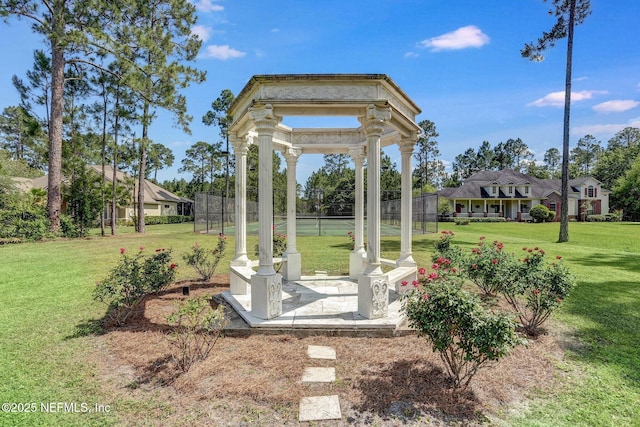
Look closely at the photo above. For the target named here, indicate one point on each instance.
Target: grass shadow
(87, 328)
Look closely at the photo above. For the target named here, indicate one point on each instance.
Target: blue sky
(458, 60)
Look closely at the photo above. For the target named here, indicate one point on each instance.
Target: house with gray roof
(512, 194)
(157, 200)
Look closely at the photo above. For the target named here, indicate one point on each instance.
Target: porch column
(373, 284)
(266, 284)
(357, 256)
(406, 210)
(293, 266)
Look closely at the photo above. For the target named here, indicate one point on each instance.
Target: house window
(526, 190)
(552, 206)
(511, 189)
(590, 192)
(494, 189)
(166, 206)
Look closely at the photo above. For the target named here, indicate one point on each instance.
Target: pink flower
(122, 250)
(435, 266)
(558, 257)
(422, 271)
(433, 276)
(425, 297)
(415, 283)
(524, 249)
(482, 237)
(474, 266)
(173, 266)
(158, 250)
(494, 261)
(405, 283)
(142, 248)
(536, 292)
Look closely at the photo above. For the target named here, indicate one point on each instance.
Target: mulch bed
(255, 380)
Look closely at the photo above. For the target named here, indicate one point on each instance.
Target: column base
(266, 296)
(356, 264)
(373, 296)
(406, 261)
(292, 266)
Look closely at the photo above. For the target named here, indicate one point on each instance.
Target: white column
(266, 284)
(357, 256)
(293, 266)
(240, 149)
(406, 153)
(373, 285)
(237, 285)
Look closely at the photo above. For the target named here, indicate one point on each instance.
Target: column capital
(292, 154)
(357, 153)
(264, 118)
(407, 144)
(240, 145)
(374, 119)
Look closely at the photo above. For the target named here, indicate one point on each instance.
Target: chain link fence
(214, 213)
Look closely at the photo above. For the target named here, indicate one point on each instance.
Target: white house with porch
(512, 194)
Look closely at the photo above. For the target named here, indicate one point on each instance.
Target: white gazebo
(387, 116)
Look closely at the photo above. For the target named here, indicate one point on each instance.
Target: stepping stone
(321, 352)
(319, 375)
(319, 408)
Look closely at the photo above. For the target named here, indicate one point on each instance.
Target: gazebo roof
(325, 95)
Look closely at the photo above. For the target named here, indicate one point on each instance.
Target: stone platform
(317, 305)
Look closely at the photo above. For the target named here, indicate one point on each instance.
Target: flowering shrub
(352, 240)
(133, 278)
(444, 248)
(279, 243)
(197, 327)
(536, 288)
(444, 243)
(205, 261)
(464, 334)
(487, 266)
(279, 246)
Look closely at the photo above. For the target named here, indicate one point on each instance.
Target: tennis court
(323, 226)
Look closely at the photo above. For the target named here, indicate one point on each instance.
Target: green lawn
(46, 309)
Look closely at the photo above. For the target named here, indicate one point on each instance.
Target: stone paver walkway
(318, 408)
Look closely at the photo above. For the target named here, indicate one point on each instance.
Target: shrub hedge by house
(156, 220)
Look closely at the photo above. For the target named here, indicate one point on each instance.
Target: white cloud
(616, 106)
(202, 31)
(462, 38)
(221, 52)
(605, 129)
(556, 99)
(208, 6)
(411, 55)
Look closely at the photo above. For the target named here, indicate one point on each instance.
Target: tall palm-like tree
(569, 13)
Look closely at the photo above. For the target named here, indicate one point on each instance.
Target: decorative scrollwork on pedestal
(379, 290)
(274, 295)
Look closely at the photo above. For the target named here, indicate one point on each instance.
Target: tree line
(131, 57)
